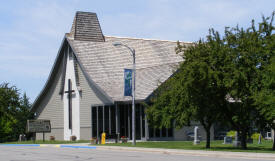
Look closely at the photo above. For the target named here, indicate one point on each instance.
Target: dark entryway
(112, 121)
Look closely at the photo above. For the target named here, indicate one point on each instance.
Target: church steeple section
(71, 99)
(86, 27)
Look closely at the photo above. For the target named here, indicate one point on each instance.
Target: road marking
(20, 144)
(72, 146)
(57, 146)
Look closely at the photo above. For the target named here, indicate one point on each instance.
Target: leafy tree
(217, 82)
(14, 111)
(9, 101)
(23, 114)
(265, 98)
(196, 92)
(248, 54)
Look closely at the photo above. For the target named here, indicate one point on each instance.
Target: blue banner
(127, 82)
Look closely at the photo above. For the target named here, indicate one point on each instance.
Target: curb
(49, 145)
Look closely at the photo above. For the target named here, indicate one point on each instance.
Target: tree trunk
(207, 127)
(273, 147)
(207, 138)
(243, 139)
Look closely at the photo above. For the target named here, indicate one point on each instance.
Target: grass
(265, 147)
(48, 142)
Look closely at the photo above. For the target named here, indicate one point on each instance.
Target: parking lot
(57, 153)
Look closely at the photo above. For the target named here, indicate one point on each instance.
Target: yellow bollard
(103, 137)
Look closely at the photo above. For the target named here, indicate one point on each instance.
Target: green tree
(23, 114)
(217, 81)
(196, 92)
(265, 98)
(248, 54)
(9, 102)
(14, 112)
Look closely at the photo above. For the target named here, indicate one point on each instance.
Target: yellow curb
(42, 145)
(58, 146)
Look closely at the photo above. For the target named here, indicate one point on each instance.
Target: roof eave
(87, 76)
(50, 77)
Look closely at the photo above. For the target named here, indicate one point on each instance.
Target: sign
(227, 140)
(127, 82)
(103, 138)
(39, 126)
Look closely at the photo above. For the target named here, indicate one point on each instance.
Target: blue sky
(32, 30)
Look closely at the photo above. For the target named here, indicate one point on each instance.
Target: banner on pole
(127, 82)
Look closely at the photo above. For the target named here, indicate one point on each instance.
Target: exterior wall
(51, 107)
(56, 132)
(87, 98)
(85, 133)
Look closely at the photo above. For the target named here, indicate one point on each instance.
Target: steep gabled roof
(155, 62)
(103, 64)
(52, 75)
(60, 61)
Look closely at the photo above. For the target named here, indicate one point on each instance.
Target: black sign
(38, 126)
(227, 140)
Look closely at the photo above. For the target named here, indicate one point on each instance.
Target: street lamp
(133, 90)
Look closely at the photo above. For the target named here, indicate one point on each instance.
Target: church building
(84, 93)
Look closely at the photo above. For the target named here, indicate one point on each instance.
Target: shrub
(255, 136)
(52, 138)
(231, 134)
(73, 138)
(94, 141)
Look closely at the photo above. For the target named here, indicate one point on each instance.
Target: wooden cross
(70, 91)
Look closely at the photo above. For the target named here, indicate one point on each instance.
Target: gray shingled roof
(104, 64)
(86, 27)
(155, 63)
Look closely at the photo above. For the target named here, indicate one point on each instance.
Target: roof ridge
(135, 38)
(158, 65)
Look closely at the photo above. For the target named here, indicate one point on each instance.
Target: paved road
(12, 153)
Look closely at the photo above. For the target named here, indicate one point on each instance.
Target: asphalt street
(14, 153)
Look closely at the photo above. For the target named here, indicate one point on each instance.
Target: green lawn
(265, 147)
(48, 142)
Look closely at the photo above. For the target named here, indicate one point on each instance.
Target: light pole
(133, 91)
